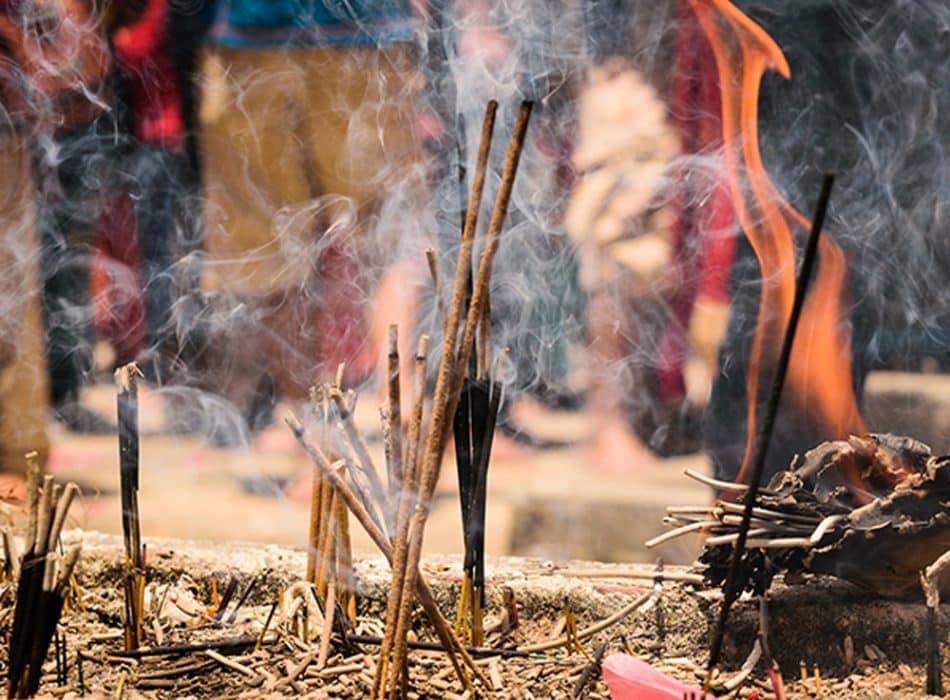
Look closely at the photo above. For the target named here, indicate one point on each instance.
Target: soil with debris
(863, 648)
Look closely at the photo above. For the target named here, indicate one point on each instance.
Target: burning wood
(879, 533)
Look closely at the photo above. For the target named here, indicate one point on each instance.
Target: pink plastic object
(629, 678)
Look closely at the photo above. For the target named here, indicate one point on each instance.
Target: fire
(819, 375)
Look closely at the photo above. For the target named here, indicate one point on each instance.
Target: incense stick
(433, 263)
(424, 594)
(451, 371)
(732, 587)
(128, 425)
(404, 504)
(394, 464)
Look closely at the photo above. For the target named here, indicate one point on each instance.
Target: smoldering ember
(475, 348)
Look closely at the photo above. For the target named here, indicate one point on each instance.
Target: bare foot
(615, 449)
(506, 450)
(552, 424)
(276, 438)
(300, 489)
(12, 487)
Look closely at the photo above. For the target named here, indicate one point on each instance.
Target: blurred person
(61, 64)
(617, 217)
(50, 68)
(309, 165)
(150, 224)
(653, 269)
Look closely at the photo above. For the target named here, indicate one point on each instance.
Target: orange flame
(819, 374)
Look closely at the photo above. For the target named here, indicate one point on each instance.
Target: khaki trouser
(309, 160)
(23, 376)
(293, 140)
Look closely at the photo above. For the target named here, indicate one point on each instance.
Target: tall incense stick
(733, 588)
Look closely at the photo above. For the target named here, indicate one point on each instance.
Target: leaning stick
(405, 502)
(449, 643)
(452, 370)
(732, 587)
(363, 459)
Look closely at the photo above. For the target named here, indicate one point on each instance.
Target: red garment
(117, 301)
(142, 51)
(704, 237)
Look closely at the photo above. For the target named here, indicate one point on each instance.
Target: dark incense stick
(41, 589)
(763, 435)
(128, 423)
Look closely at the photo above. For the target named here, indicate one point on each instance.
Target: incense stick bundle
(449, 643)
(128, 424)
(43, 583)
(475, 528)
(405, 503)
(455, 358)
(329, 552)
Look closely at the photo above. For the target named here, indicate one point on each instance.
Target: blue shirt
(299, 23)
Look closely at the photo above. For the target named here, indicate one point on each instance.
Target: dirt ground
(864, 648)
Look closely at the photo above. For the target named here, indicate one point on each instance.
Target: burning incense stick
(128, 422)
(128, 418)
(452, 369)
(732, 587)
